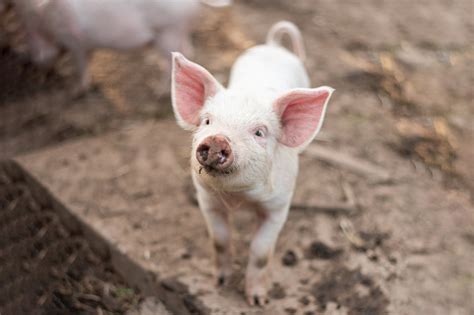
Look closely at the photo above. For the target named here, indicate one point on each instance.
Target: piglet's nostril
(203, 151)
(222, 156)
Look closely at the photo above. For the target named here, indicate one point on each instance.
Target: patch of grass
(122, 292)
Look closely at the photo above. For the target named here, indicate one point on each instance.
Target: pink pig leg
(258, 273)
(81, 57)
(43, 51)
(218, 225)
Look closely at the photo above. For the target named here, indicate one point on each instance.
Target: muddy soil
(403, 73)
(46, 268)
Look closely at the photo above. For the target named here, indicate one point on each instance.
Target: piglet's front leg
(217, 220)
(258, 275)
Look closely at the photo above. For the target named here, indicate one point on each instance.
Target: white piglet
(81, 26)
(247, 138)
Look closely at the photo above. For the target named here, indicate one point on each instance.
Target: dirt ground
(403, 73)
(47, 268)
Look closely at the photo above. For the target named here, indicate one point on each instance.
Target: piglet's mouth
(214, 172)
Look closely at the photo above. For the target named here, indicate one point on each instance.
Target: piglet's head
(193, 88)
(239, 136)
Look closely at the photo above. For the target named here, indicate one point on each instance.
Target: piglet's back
(268, 67)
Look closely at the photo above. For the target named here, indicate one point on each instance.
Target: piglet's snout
(215, 152)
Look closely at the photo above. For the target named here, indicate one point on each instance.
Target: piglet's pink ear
(301, 114)
(191, 86)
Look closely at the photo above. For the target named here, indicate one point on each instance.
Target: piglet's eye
(259, 133)
(207, 121)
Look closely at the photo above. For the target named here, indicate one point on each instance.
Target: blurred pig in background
(81, 26)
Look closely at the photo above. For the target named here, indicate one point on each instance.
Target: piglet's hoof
(257, 296)
(78, 93)
(224, 277)
(221, 280)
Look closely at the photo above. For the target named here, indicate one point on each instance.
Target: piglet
(246, 142)
(81, 26)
